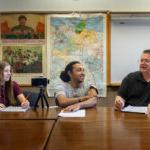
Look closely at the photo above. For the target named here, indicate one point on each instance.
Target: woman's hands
(25, 104)
(2, 105)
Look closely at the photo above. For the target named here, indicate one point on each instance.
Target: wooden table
(26, 130)
(31, 114)
(102, 129)
(24, 134)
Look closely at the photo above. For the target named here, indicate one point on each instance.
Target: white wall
(129, 37)
(74, 5)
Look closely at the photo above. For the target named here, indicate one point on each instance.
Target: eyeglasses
(145, 60)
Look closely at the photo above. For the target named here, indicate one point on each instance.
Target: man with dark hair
(22, 17)
(73, 94)
(135, 87)
(22, 31)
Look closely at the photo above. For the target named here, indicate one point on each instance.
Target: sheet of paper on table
(136, 109)
(13, 109)
(77, 113)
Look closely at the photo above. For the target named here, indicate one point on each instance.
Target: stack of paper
(77, 113)
(13, 109)
(136, 109)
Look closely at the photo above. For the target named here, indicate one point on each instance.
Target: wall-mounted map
(80, 38)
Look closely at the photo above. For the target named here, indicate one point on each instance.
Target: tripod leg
(36, 103)
(42, 101)
(46, 101)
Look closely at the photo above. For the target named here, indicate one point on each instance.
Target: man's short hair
(22, 17)
(146, 51)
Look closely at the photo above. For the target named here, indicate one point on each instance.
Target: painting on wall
(23, 59)
(23, 27)
(81, 38)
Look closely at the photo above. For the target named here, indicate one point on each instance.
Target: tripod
(41, 97)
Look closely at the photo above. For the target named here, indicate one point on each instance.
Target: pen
(28, 96)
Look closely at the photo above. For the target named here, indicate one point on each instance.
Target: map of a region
(82, 39)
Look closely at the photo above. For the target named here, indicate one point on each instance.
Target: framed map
(81, 38)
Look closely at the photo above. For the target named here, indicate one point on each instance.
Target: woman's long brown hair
(8, 84)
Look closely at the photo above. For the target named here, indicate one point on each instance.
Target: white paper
(136, 109)
(14, 109)
(77, 113)
(53, 106)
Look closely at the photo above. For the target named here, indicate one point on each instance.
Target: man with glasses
(135, 87)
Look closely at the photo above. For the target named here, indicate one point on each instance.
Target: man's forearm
(89, 103)
(70, 101)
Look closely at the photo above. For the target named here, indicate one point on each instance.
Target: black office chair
(31, 96)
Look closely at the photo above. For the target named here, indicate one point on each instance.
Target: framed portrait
(22, 28)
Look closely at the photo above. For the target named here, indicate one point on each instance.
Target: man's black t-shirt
(135, 90)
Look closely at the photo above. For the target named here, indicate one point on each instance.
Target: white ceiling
(75, 5)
